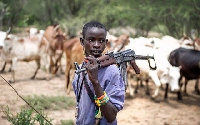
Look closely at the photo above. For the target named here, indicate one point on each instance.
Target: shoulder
(112, 68)
(110, 71)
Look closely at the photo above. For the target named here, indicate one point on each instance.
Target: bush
(26, 117)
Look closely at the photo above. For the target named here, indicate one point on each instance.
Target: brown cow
(73, 51)
(55, 37)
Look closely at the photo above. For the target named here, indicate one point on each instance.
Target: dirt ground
(139, 110)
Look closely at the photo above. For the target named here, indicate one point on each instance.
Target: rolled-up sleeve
(115, 90)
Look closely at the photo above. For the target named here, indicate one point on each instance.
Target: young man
(100, 93)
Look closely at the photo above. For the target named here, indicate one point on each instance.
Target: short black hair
(92, 24)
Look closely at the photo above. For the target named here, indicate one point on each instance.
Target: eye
(91, 40)
(102, 41)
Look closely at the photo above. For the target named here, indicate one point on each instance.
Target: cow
(74, 53)
(189, 62)
(55, 39)
(22, 49)
(34, 33)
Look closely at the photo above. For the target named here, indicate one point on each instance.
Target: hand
(92, 68)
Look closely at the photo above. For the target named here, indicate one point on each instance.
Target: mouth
(96, 52)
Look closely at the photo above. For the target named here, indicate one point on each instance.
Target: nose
(97, 44)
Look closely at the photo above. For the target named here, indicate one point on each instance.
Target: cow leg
(156, 80)
(3, 68)
(51, 64)
(156, 92)
(67, 75)
(10, 68)
(197, 87)
(57, 64)
(137, 85)
(13, 65)
(141, 84)
(185, 87)
(60, 65)
(46, 59)
(179, 96)
(38, 67)
(131, 90)
(67, 70)
(147, 87)
(166, 91)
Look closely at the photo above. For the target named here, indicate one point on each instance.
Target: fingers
(91, 63)
(91, 59)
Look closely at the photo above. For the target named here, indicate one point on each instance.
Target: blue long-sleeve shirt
(112, 83)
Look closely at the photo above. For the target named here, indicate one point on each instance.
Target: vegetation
(67, 122)
(43, 102)
(169, 17)
(27, 116)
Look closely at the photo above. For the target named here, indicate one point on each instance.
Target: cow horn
(9, 30)
(56, 28)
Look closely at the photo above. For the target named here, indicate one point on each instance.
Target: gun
(120, 58)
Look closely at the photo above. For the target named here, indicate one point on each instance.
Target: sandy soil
(139, 110)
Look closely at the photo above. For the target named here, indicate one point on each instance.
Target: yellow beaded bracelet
(102, 100)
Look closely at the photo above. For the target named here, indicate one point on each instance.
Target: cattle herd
(177, 60)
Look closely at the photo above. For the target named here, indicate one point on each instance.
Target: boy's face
(94, 41)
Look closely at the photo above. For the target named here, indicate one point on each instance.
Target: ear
(106, 40)
(82, 41)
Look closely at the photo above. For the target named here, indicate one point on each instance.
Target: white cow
(23, 49)
(163, 74)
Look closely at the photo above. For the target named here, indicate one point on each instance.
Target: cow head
(171, 76)
(57, 43)
(3, 36)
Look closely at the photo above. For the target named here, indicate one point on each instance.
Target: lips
(96, 52)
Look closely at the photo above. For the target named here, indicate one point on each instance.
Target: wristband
(102, 100)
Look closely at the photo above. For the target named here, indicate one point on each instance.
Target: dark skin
(94, 43)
